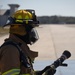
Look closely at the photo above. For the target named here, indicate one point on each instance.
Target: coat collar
(30, 53)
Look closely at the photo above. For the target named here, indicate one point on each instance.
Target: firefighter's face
(31, 35)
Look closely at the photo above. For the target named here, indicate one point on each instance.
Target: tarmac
(53, 41)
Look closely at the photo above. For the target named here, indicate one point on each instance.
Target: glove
(50, 71)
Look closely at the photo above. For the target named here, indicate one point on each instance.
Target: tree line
(56, 20)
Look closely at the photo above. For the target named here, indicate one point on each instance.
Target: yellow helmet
(22, 16)
(18, 18)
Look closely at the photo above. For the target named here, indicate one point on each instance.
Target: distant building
(5, 13)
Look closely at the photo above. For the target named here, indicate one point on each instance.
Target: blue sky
(44, 7)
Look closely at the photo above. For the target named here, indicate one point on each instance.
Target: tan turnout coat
(10, 57)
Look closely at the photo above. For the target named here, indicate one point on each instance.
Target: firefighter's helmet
(20, 19)
(23, 17)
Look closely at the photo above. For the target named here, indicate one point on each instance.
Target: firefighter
(22, 32)
(16, 58)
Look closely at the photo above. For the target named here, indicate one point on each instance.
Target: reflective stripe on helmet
(27, 17)
(18, 19)
(12, 72)
(22, 15)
